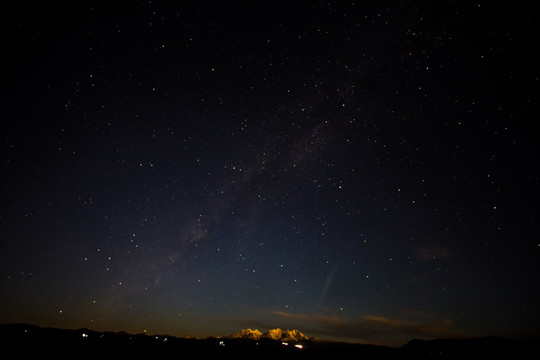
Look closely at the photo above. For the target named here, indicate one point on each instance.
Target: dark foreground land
(21, 340)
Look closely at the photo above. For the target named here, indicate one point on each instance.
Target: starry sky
(358, 170)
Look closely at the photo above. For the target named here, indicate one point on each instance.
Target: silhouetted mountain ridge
(33, 340)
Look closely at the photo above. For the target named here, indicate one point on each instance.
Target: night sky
(362, 171)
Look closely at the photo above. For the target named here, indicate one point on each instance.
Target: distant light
(84, 335)
(300, 346)
(284, 343)
(221, 343)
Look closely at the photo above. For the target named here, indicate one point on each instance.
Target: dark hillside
(28, 340)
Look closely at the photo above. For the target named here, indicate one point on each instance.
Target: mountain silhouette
(30, 341)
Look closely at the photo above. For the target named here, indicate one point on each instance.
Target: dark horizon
(22, 329)
(356, 170)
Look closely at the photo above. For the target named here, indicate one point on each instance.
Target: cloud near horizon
(378, 329)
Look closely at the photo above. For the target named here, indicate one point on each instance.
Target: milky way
(358, 171)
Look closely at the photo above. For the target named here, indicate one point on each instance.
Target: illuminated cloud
(441, 328)
(375, 329)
